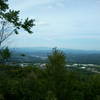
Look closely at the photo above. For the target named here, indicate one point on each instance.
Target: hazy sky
(71, 24)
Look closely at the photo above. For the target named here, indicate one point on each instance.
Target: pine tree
(56, 73)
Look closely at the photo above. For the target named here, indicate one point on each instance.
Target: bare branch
(7, 36)
(6, 31)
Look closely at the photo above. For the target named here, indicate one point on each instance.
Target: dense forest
(53, 82)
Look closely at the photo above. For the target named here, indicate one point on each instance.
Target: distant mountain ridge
(32, 49)
(39, 54)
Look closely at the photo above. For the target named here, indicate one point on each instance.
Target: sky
(73, 24)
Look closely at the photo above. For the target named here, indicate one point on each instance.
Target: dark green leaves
(5, 53)
(28, 23)
(12, 16)
(13, 22)
(3, 5)
(16, 32)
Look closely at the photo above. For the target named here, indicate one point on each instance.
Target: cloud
(61, 20)
(97, 1)
(41, 23)
(70, 36)
(83, 37)
(60, 4)
(26, 4)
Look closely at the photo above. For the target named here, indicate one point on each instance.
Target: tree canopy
(5, 54)
(10, 22)
(12, 16)
(48, 83)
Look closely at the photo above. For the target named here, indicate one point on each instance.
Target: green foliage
(27, 25)
(50, 96)
(23, 55)
(3, 5)
(54, 82)
(5, 54)
(56, 63)
(56, 73)
(10, 22)
(12, 16)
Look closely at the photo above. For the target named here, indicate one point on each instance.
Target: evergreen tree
(5, 54)
(57, 73)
